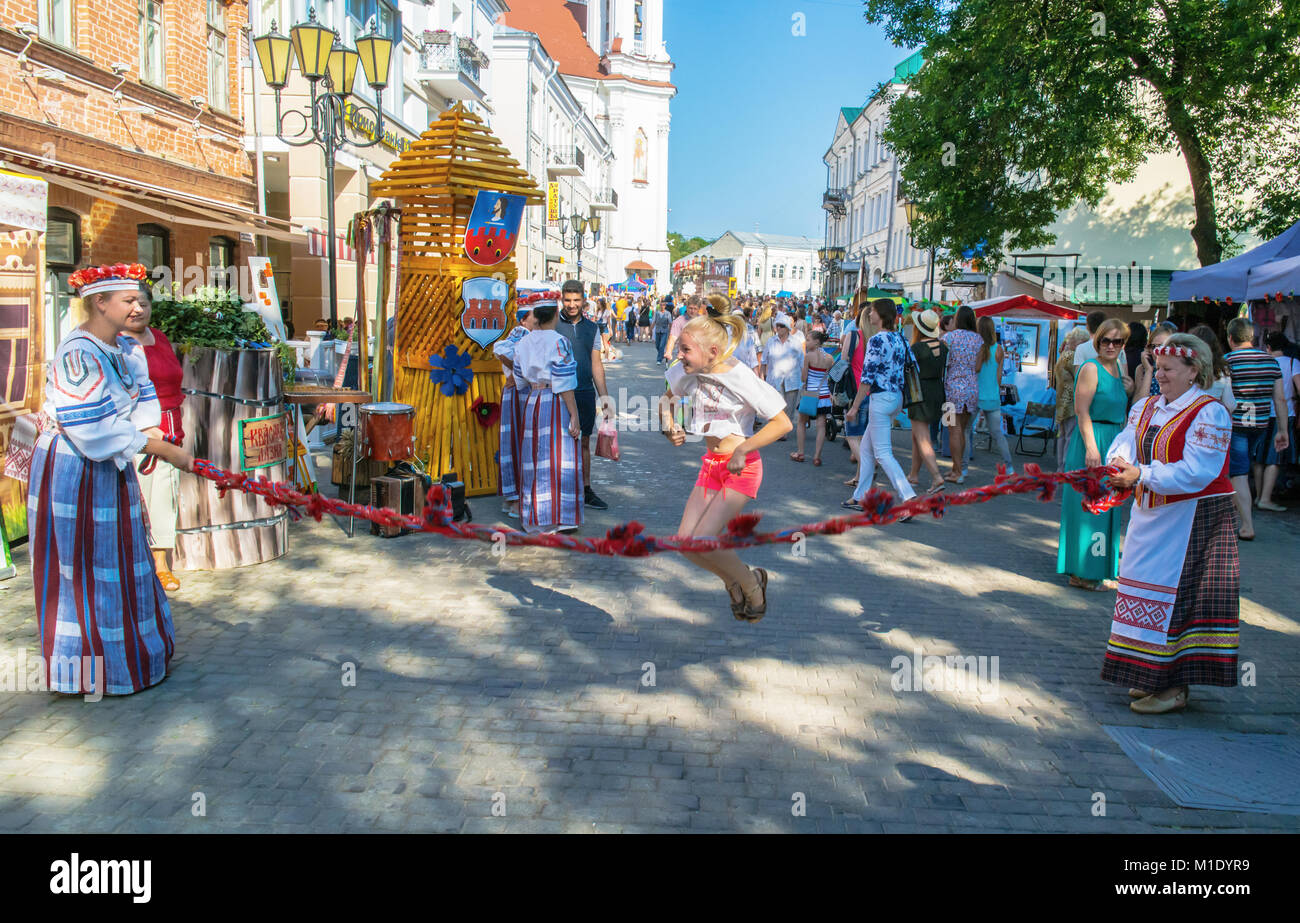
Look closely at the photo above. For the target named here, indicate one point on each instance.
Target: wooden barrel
(223, 387)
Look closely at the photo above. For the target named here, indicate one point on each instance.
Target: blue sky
(756, 106)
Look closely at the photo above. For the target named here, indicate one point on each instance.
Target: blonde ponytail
(724, 332)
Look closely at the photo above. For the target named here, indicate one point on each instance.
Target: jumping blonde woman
(724, 396)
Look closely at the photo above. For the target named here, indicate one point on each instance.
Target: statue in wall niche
(640, 166)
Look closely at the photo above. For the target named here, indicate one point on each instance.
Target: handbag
(808, 404)
(843, 388)
(913, 395)
(607, 440)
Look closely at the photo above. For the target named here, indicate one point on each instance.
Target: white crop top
(724, 403)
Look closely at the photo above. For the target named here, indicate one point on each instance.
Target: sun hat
(927, 322)
(782, 320)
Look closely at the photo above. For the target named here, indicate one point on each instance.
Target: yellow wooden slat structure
(435, 183)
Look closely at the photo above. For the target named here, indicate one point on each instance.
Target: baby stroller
(840, 382)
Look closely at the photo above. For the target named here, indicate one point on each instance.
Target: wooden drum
(387, 431)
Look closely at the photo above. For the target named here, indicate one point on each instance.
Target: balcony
(605, 200)
(451, 66)
(833, 200)
(566, 161)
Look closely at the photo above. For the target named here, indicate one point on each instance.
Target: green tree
(1025, 108)
(679, 246)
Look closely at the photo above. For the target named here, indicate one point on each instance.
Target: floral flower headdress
(118, 277)
(1182, 352)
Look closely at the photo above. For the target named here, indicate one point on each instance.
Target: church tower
(612, 55)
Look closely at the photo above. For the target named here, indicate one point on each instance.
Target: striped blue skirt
(512, 431)
(99, 604)
(550, 465)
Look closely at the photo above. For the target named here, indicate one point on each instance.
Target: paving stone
(522, 676)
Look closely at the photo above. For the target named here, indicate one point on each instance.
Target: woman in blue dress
(1088, 549)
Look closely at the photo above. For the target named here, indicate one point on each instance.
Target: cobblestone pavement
(519, 685)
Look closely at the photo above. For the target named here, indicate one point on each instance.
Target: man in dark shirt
(585, 337)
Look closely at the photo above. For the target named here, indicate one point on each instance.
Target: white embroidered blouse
(1207, 445)
(101, 397)
(544, 358)
(724, 403)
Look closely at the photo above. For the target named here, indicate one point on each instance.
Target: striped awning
(317, 243)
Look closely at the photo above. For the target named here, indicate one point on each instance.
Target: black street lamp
(829, 257)
(322, 59)
(576, 240)
(912, 214)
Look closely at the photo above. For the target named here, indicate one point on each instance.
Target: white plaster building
(1141, 223)
(546, 129)
(863, 214)
(428, 74)
(612, 57)
(766, 264)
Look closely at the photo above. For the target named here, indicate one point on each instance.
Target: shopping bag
(607, 440)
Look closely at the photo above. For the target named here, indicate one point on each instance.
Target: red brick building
(130, 110)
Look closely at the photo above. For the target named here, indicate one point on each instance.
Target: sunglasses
(1108, 341)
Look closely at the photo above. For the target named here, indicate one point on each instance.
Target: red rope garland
(627, 540)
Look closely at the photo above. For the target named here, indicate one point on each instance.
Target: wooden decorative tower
(435, 183)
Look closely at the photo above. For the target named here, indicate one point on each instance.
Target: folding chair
(1033, 430)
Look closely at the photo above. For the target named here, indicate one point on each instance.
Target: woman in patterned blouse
(882, 382)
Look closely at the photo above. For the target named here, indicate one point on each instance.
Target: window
(638, 20)
(152, 245)
(221, 261)
(152, 66)
(62, 238)
(388, 23)
(218, 71)
(55, 23)
(62, 255)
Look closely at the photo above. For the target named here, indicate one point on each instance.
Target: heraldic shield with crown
(493, 227)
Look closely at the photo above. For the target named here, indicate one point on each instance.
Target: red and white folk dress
(1176, 612)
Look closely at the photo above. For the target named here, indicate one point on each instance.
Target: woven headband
(1182, 352)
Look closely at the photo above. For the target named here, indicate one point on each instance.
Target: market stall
(1030, 331)
(1265, 279)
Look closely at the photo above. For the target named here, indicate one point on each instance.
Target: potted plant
(437, 37)
(213, 317)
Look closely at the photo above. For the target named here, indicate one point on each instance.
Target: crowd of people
(1197, 431)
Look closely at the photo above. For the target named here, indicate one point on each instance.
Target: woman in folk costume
(725, 396)
(550, 454)
(1176, 612)
(513, 396)
(160, 487)
(98, 597)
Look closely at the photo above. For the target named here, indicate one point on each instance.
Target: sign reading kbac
(262, 442)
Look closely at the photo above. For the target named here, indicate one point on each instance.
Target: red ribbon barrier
(627, 540)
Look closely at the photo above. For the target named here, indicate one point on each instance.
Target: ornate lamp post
(331, 70)
(829, 257)
(912, 214)
(576, 240)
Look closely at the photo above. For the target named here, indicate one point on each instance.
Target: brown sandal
(797, 457)
(737, 605)
(755, 613)
(168, 580)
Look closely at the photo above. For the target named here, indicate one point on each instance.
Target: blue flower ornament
(451, 370)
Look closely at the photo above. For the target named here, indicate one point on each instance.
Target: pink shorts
(715, 476)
